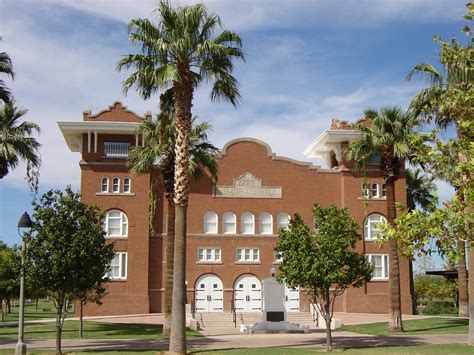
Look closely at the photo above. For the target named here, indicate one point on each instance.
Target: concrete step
(225, 321)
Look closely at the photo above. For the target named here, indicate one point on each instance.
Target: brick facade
(301, 185)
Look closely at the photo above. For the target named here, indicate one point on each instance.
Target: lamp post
(23, 223)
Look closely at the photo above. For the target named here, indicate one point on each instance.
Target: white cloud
(249, 14)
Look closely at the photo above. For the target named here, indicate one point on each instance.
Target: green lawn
(414, 327)
(92, 330)
(451, 349)
(45, 310)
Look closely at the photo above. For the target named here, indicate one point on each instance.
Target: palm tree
(420, 190)
(6, 69)
(389, 134)
(16, 142)
(456, 76)
(181, 52)
(159, 154)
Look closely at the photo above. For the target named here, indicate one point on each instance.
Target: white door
(209, 293)
(248, 294)
(292, 299)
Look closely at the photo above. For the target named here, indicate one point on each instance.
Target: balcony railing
(116, 149)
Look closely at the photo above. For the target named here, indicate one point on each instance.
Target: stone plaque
(247, 186)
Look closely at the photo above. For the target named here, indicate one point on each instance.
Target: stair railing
(315, 313)
(232, 310)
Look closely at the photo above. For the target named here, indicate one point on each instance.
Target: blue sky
(307, 62)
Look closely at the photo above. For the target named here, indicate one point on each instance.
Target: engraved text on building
(248, 186)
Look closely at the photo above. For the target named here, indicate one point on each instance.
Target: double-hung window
(380, 262)
(118, 267)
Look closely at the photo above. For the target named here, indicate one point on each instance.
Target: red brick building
(232, 225)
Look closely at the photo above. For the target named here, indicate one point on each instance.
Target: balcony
(116, 149)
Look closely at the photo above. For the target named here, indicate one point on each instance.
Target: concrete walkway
(226, 341)
(340, 339)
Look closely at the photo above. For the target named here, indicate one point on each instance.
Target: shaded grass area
(414, 327)
(451, 349)
(45, 309)
(92, 330)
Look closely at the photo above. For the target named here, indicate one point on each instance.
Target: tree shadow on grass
(443, 324)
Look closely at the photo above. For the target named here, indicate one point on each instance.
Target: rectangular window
(380, 262)
(248, 255)
(116, 149)
(209, 254)
(118, 267)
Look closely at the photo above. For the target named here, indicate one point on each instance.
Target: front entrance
(248, 294)
(292, 299)
(209, 294)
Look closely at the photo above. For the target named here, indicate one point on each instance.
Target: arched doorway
(209, 294)
(248, 294)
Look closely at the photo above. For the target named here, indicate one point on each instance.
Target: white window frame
(263, 223)
(243, 222)
(374, 190)
(122, 269)
(369, 228)
(106, 180)
(384, 266)
(209, 255)
(285, 224)
(229, 219)
(366, 190)
(123, 224)
(277, 257)
(247, 255)
(127, 182)
(208, 223)
(114, 179)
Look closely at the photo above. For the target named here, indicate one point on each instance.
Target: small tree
(323, 261)
(68, 253)
(9, 277)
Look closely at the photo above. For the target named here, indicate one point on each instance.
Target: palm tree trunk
(470, 259)
(463, 295)
(183, 96)
(462, 281)
(169, 265)
(395, 308)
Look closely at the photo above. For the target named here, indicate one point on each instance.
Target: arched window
(375, 190)
(115, 185)
(266, 223)
(365, 190)
(116, 224)
(384, 190)
(283, 220)
(126, 185)
(229, 223)
(247, 223)
(104, 184)
(210, 223)
(371, 230)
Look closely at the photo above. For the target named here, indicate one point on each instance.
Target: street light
(23, 223)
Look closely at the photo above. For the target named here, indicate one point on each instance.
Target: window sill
(209, 262)
(379, 280)
(115, 194)
(372, 198)
(116, 237)
(117, 280)
(248, 263)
